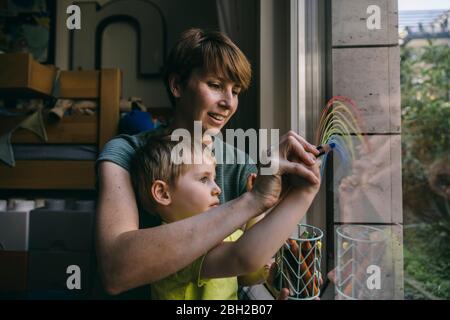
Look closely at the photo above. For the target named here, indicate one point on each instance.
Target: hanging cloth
(6, 151)
(34, 123)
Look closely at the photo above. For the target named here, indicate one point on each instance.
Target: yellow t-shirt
(186, 284)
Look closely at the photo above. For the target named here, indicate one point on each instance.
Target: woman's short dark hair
(212, 51)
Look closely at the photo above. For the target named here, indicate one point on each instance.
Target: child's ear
(160, 193)
(175, 85)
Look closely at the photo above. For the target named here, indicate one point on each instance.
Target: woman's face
(207, 98)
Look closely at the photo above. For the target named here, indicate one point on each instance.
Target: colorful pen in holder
(298, 264)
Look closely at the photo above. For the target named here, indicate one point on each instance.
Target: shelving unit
(25, 78)
(38, 267)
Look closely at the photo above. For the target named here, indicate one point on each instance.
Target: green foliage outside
(425, 82)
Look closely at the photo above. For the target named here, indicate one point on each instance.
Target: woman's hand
(297, 157)
(283, 294)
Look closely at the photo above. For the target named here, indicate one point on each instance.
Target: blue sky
(423, 4)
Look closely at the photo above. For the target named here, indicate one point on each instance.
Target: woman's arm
(130, 257)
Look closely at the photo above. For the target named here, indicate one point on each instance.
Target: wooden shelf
(48, 174)
(74, 129)
(79, 84)
(23, 77)
(66, 175)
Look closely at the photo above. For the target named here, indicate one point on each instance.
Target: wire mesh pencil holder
(358, 248)
(298, 264)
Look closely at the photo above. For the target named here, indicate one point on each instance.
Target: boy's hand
(267, 190)
(299, 183)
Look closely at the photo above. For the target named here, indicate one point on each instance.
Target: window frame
(310, 86)
(307, 69)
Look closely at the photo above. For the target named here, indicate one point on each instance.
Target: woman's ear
(160, 193)
(175, 85)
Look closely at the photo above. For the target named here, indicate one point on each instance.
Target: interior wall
(119, 43)
(152, 91)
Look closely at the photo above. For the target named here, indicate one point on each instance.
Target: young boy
(177, 191)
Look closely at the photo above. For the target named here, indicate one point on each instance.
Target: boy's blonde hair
(211, 51)
(153, 161)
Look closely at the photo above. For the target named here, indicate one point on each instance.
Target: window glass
(425, 84)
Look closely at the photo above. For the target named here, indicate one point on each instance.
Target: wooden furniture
(23, 77)
(97, 129)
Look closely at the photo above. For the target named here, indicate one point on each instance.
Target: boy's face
(195, 191)
(210, 99)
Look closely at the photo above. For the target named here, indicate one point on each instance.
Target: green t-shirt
(187, 284)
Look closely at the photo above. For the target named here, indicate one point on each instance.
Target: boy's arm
(259, 276)
(249, 186)
(258, 245)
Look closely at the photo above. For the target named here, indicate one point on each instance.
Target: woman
(205, 73)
